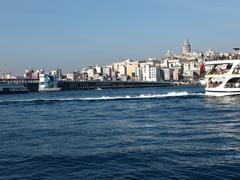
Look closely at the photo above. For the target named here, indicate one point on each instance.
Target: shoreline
(100, 85)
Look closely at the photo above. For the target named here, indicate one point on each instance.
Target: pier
(85, 85)
(33, 84)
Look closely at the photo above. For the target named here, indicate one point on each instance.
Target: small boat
(98, 89)
(222, 78)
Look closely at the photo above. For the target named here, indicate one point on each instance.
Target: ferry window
(233, 83)
(219, 68)
(209, 68)
(237, 69)
(215, 82)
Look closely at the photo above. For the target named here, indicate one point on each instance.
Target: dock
(33, 84)
(88, 85)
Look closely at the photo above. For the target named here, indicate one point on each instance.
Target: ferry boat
(222, 77)
(48, 83)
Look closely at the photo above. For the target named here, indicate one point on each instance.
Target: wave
(104, 98)
(142, 96)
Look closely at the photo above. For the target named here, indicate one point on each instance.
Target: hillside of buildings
(189, 66)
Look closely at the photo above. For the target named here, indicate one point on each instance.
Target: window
(218, 68)
(215, 82)
(237, 69)
(233, 83)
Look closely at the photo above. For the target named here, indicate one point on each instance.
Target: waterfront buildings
(57, 73)
(148, 73)
(72, 75)
(191, 70)
(187, 66)
(107, 72)
(32, 74)
(8, 75)
(167, 74)
(99, 69)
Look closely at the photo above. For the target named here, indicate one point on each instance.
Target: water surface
(148, 133)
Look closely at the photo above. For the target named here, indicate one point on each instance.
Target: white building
(176, 74)
(91, 73)
(191, 69)
(139, 74)
(73, 75)
(8, 76)
(70, 76)
(149, 73)
(37, 73)
(167, 74)
(57, 73)
(107, 71)
(99, 69)
(122, 70)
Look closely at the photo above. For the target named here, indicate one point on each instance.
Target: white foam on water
(104, 98)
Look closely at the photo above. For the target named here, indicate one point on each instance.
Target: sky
(72, 34)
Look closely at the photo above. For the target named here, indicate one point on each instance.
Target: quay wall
(33, 85)
(84, 85)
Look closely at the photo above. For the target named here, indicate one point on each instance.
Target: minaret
(186, 47)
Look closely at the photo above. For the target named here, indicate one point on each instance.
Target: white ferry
(48, 83)
(222, 78)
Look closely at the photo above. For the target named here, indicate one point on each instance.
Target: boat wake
(106, 98)
(143, 96)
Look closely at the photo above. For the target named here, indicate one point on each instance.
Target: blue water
(149, 133)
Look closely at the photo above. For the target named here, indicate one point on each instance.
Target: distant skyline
(72, 34)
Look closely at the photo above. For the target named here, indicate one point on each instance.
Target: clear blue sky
(71, 34)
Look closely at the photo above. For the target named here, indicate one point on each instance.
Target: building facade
(148, 73)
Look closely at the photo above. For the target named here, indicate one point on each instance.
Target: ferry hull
(222, 93)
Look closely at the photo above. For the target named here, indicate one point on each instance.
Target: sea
(138, 133)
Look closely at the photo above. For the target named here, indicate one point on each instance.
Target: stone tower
(186, 47)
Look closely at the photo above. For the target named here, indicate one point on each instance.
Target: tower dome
(186, 47)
